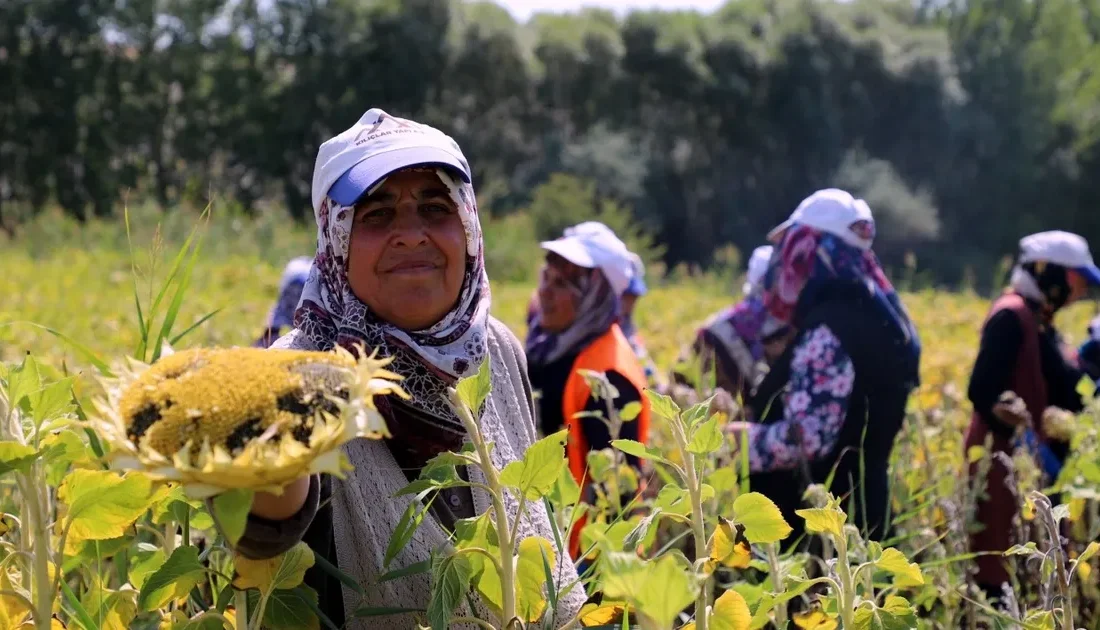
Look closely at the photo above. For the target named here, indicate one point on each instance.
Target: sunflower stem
(169, 538)
(241, 598)
(507, 542)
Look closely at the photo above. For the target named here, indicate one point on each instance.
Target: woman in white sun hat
(1089, 353)
(1021, 352)
(400, 268)
(833, 402)
(575, 328)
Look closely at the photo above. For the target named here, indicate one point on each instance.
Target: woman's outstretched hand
(1011, 410)
(279, 507)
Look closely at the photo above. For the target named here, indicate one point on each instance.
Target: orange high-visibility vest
(611, 352)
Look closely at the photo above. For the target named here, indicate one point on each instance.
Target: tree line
(965, 123)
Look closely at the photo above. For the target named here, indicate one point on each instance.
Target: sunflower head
(217, 419)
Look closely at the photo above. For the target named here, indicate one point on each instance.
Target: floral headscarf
(597, 311)
(430, 360)
(808, 260)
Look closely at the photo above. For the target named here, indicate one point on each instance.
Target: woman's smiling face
(407, 255)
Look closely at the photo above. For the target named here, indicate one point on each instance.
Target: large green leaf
(279, 573)
(23, 380)
(481, 533)
(540, 467)
(895, 614)
(230, 510)
(762, 520)
(15, 457)
(630, 411)
(473, 391)
(829, 520)
(565, 491)
(707, 437)
(662, 405)
(410, 521)
(62, 450)
(144, 564)
(639, 450)
(290, 609)
(659, 589)
(450, 581)
(174, 579)
(730, 612)
(531, 577)
(52, 401)
(895, 563)
(103, 504)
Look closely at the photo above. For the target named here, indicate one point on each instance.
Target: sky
(522, 9)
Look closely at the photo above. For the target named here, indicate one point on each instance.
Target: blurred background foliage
(965, 124)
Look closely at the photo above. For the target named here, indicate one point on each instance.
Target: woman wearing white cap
(1022, 353)
(291, 284)
(574, 329)
(731, 342)
(833, 402)
(400, 268)
(634, 291)
(1089, 354)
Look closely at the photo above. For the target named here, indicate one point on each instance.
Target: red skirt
(996, 512)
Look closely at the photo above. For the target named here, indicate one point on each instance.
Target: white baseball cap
(378, 144)
(593, 245)
(834, 211)
(1060, 248)
(758, 266)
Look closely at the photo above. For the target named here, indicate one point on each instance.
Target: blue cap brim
(1091, 273)
(637, 287)
(366, 174)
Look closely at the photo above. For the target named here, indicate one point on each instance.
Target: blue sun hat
(637, 285)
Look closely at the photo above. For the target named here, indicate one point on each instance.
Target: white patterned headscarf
(430, 360)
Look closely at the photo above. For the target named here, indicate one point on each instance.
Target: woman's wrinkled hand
(1012, 410)
(279, 507)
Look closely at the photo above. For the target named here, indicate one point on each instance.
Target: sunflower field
(99, 532)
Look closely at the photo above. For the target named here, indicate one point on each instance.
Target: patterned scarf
(1043, 282)
(808, 261)
(598, 310)
(430, 360)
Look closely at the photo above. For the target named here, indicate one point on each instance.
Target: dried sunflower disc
(220, 419)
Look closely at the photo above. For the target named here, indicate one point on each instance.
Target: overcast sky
(523, 9)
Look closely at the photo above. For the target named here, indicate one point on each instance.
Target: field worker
(835, 399)
(1021, 352)
(400, 268)
(731, 343)
(628, 300)
(635, 290)
(1089, 354)
(291, 284)
(576, 328)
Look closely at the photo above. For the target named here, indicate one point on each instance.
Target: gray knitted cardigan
(365, 511)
